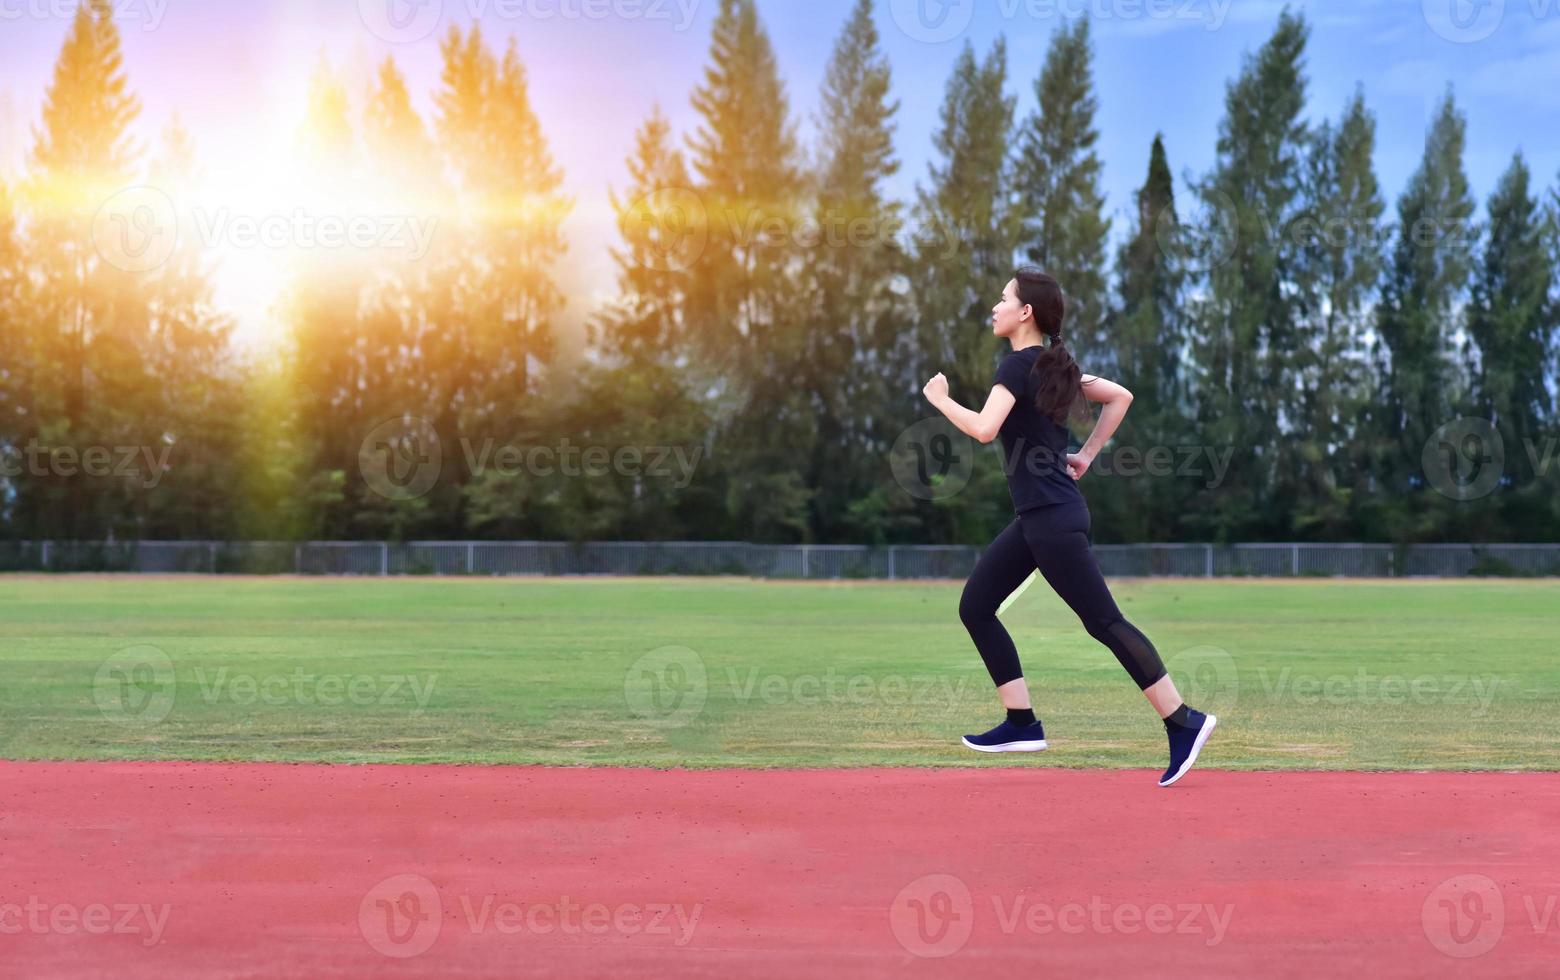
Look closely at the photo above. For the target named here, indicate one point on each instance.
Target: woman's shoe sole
(1007, 746)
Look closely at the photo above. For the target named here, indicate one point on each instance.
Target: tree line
(1307, 364)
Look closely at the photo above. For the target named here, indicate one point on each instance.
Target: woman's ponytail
(1059, 387)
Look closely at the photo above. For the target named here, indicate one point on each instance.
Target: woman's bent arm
(1115, 398)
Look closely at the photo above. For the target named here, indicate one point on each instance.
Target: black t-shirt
(1034, 448)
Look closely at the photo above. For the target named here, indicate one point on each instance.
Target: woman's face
(1009, 312)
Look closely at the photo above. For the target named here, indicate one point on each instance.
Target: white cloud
(1533, 79)
(1411, 76)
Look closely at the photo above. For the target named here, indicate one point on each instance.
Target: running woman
(1036, 389)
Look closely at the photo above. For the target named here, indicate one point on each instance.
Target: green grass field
(732, 672)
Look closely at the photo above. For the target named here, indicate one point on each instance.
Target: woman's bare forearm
(966, 420)
(1110, 418)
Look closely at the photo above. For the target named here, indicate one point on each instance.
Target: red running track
(184, 870)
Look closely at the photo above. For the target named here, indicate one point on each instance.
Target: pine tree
(1552, 246)
(967, 224)
(1511, 320)
(528, 241)
(744, 155)
(88, 109)
(1417, 320)
(396, 140)
(197, 401)
(1342, 266)
(743, 314)
(84, 381)
(509, 187)
(16, 335)
(1247, 336)
(322, 307)
(496, 297)
(850, 276)
(1147, 338)
(658, 220)
(1149, 335)
(635, 394)
(1058, 177)
(397, 313)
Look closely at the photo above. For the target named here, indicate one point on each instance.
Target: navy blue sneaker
(1008, 737)
(1186, 743)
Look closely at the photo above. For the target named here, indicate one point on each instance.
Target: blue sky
(235, 73)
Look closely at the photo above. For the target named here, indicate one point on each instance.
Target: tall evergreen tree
(1248, 339)
(505, 176)
(85, 379)
(658, 220)
(1059, 182)
(1417, 322)
(1343, 264)
(1146, 339)
(396, 140)
(496, 296)
(400, 320)
(322, 306)
(743, 314)
(967, 224)
(634, 394)
(1512, 320)
(196, 402)
(15, 337)
(745, 156)
(850, 276)
(1552, 243)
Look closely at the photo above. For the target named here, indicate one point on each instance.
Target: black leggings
(1054, 539)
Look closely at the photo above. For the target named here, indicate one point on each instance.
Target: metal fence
(489, 558)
